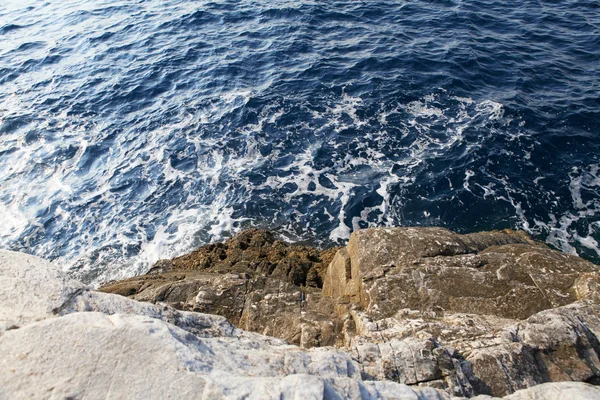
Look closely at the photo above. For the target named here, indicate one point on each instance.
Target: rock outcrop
(487, 313)
(60, 339)
(257, 282)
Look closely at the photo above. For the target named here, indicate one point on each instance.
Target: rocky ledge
(403, 313)
(485, 313)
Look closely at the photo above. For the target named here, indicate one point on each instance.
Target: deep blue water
(137, 130)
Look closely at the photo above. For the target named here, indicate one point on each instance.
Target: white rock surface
(60, 339)
(30, 289)
(553, 391)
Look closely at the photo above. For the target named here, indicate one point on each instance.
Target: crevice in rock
(426, 381)
(69, 301)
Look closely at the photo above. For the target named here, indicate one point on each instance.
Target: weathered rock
(553, 391)
(253, 252)
(92, 355)
(95, 355)
(32, 289)
(72, 342)
(484, 313)
(66, 340)
(482, 354)
(481, 313)
(257, 282)
(496, 273)
(557, 391)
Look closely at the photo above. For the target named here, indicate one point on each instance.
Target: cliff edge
(403, 313)
(485, 313)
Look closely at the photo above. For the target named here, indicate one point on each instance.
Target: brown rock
(486, 313)
(483, 313)
(257, 282)
(497, 273)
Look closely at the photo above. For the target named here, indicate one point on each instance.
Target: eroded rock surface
(67, 341)
(493, 273)
(257, 282)
(485, 313)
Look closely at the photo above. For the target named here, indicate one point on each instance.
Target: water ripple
(131, 131)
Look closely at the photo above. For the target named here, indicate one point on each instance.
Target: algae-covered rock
(257, 282)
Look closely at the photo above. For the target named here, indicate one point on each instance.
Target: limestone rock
(257, 282)
(95, 355)
(484, 313)
(253, 252)
(72, 342)
(409, 320)
(553, 391)
(31, 289)
(557, 391)
(497, 273)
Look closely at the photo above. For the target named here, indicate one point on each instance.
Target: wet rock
(252, 253)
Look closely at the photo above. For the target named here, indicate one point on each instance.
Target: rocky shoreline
(406, 313)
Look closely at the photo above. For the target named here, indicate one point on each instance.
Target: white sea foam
(348, 106)
(176, 234)
(562, 231)
(468, 175)
(423, 109)
(124, 233)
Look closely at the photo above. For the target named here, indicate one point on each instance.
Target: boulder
(504, 273)
(485, 313)
(32, 289)
(557, 391)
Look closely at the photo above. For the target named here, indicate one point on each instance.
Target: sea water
(137, 130)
